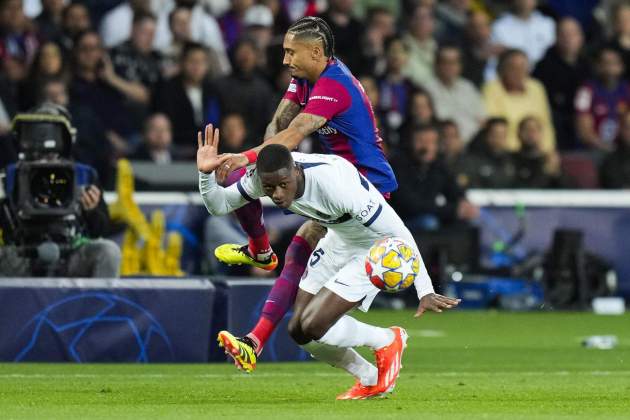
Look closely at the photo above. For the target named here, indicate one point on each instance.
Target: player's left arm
(389, 224)
(377, 215)
(384, 221)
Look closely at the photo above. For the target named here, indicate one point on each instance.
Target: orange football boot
(360, 392)
(389, 361)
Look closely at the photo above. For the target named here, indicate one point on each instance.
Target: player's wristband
(251, 156)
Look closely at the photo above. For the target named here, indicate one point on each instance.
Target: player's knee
(312, 327)
(312, 232)
(295, 331)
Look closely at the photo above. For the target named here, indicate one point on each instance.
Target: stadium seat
(580, 168)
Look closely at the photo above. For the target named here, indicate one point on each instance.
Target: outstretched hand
(208, 158)
(436, 303)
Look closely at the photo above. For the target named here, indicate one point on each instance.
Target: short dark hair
(273, 158)
(190, 47)
(79, 37)
(525, 120)
(422, 128)
(394, 39)
(373, 11)
(491, 122)
(315, 28)
(506, 55)
(599, 55)
(71, 5)
(446, 46)
(173, 12)
(448, 123)
(138, 17)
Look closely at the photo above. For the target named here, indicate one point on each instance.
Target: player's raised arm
(218, 200)
(208, 158)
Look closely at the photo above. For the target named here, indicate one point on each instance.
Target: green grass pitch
(461, 365)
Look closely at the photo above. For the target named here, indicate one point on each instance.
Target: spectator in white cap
(258, 23)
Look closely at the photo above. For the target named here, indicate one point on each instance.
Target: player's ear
(316, 52)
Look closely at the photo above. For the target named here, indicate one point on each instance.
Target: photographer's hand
(90, 198)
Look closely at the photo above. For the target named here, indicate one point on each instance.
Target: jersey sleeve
(219, 200)
(328, 98)
(293, 91)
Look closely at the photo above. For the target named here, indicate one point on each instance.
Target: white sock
(348, 332)
(344, 358)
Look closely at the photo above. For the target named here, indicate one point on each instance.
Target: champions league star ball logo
(95, 327)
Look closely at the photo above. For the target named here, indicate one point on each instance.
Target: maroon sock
(282, 295)
(251, 220)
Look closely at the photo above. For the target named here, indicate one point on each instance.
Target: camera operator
(52, 224)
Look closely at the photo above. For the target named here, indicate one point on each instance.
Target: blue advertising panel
(238, 305)
(96, 320)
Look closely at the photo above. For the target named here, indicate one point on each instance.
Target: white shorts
(341, 269)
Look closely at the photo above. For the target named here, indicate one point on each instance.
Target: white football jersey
(335, 195)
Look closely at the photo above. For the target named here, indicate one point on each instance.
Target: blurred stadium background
(507, 124)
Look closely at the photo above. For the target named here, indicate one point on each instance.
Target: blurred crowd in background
(468, 93)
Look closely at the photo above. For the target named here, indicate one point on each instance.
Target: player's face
(281, 186)
(298, 56)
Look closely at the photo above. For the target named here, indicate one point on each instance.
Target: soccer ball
(392, 264)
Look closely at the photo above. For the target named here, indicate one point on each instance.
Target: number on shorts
(317, 255)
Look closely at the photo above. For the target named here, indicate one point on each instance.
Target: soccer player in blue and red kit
(323, 96)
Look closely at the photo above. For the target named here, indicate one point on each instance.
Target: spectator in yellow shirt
(514, 95)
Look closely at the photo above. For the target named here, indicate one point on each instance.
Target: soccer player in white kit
(331, 191)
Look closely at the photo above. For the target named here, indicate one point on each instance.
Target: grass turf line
(459, 365)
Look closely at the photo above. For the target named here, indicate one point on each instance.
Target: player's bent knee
(313, 327)
(295, 331)
(312, 232)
